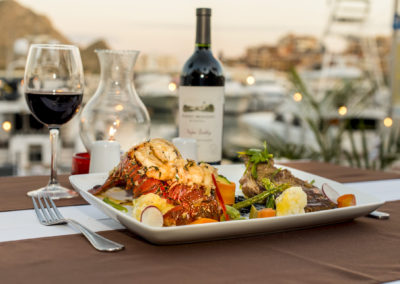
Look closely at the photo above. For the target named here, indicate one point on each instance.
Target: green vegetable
(270, 202)
(258, 198)
(115, 205)
(253, 212)
(233, 213)
(222, 179)
(272, 189)
(256, 156)
(277, 171)
(267, 183)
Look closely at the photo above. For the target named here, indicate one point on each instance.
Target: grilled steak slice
(316, 200)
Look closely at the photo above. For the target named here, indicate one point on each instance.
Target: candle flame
(111, 132)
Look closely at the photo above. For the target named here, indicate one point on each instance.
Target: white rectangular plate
(193, 233)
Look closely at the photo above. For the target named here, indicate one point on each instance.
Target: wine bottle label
(201, 118)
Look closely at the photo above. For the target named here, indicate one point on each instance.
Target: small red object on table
(80, 163)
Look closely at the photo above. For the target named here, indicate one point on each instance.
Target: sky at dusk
(168, 27)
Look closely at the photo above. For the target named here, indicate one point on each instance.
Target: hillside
(90, 60)
(16, 22)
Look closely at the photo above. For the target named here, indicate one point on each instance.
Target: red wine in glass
(54, 109)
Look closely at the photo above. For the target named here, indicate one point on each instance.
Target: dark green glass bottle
(201, 94)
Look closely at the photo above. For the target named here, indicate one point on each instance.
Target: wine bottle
(201, 95)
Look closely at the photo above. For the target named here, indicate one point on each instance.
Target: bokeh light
(342, 110)
(6, 126)
(388, 122)
(171, 86)
(250, 80)
(297, 97)
(119, 107)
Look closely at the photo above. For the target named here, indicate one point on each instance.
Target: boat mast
(347, 21)
(394, 64)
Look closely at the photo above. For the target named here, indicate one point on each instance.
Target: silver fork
(49, 215)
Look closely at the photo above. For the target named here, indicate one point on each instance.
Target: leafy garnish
(277, 171)
(256, 156)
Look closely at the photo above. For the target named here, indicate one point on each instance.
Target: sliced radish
(152, 216)
(330, 193)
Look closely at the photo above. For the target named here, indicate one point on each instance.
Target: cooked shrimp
(163, 162)
(164, 150)
(158, 156)
(209, 171)
(189, 172)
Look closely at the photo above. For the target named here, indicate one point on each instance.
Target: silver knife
(379, 215)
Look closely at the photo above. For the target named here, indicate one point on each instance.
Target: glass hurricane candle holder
(115, 112)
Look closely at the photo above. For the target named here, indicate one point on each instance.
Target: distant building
(383, 45)
(291, 50)
(304, 52)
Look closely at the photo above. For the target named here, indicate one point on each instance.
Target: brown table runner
(362, 251)
(340, 173)
(14, 189)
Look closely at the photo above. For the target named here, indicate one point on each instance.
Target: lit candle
(104, 155)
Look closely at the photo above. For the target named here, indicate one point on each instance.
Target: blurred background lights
(119, 107)
(388, 122)
(297, 97)
(342, 110)
(6, 126)
(250, 80)
(171, 86)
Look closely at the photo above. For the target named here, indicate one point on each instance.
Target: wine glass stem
(54, 132)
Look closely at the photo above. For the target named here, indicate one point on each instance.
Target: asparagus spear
(258, 198)
(115, 205)
(261, 196)
(270, 202)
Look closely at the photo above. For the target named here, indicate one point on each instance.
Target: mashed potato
(149, 199)
(291, 202)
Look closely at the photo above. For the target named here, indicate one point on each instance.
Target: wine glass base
(55, 191)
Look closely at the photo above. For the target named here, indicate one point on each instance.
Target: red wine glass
(53, 86)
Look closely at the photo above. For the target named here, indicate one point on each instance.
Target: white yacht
(158, 91)
(268, 90)
(237, 97)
